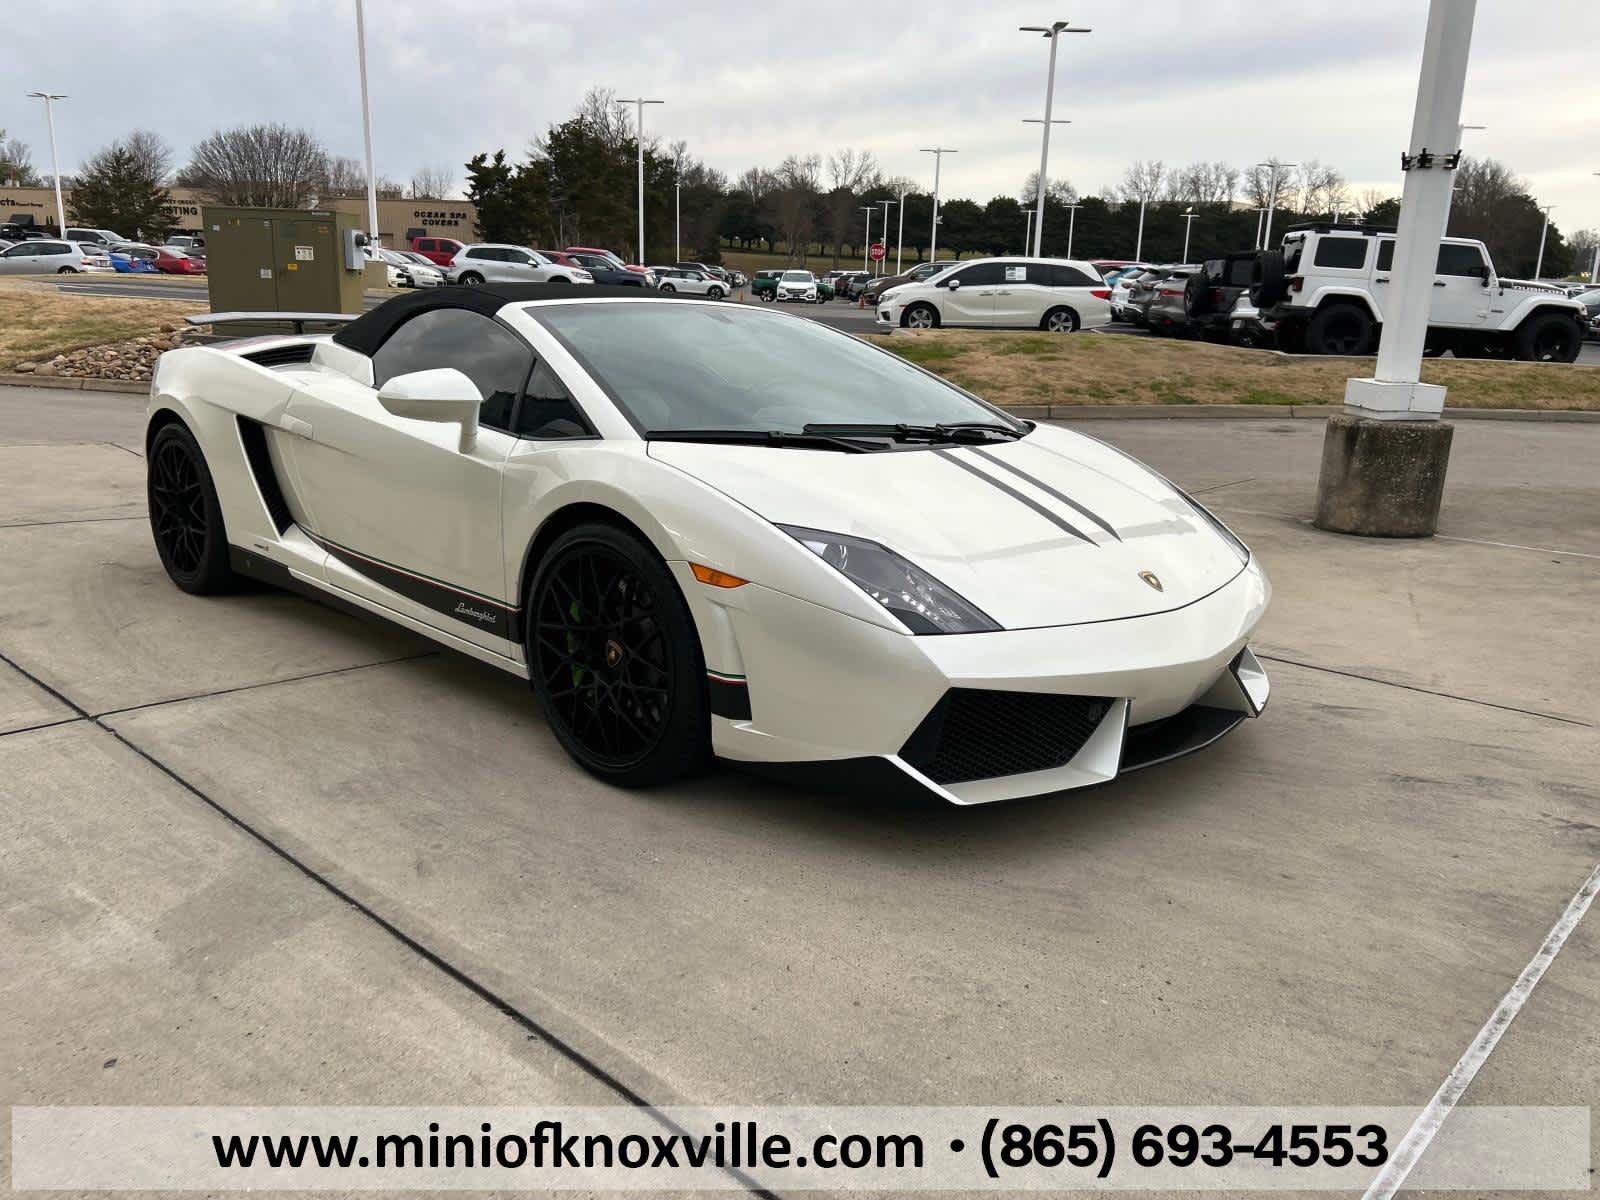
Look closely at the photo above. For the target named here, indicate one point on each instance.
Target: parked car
(1121, 281)
(438, 250)
(1211, 293)
(697, 283)
(415, 270)
(391, 272)
(494, 262)
(124, 263)
(648, 272)
(1142, 291)
(167, 260)
(21, 231)
(882, 283)
(852, 285)
(187, 243)
(607, 271)
(1590, 299)
(1327, 289)
(798, 286)
(100, 237)
(1165, 315)
(52, 256)
(1054, 294)
(765, 284)
(715, 272)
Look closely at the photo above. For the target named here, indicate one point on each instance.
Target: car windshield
(677, 366)
(797, 276)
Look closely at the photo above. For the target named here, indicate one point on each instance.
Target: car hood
(1053, 529)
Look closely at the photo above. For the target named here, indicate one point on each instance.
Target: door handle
(1439, 283)
(1380, 279)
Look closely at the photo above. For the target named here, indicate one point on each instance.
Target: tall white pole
(1188, 224)
(1260, 215)
(55, 162)
(677, 220)
(900, 238)
(1052, 31)
(638, 132)
(1072, 225)
(366, 128)
(938, 153)
(883, 263)
(1594, 267)
(1394, 391)
(1138, 249)
(1027, 233)
(866, 208)
(1538, 266)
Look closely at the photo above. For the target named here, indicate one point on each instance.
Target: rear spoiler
(297, 320)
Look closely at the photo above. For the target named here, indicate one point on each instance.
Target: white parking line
(1427, 1124)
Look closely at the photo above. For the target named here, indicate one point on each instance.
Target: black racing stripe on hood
(1044, 512)
(991, 456)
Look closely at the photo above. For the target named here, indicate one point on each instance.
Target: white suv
(52, 256)
(1327, 290)
(491, 262)
(1055, 294)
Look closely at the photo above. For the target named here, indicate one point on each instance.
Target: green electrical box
(279, 260)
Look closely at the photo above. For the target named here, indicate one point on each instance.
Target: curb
(77, 383)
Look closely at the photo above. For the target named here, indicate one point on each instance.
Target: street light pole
(677, 209)
(1538, 266)
(638, 132)
(866, 245)
(366, 128)
(1384, 458)
(1138, 248)
(1027, 231)
(1072, 225)
(883, 263)
(900, 238)
(1272, 197)
(1594, 267)
(1260, 215)
(1051, 31)
(1188, 224)
(55, 164)
(938, 153)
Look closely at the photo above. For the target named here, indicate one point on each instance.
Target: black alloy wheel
(614, 659)
(185, 516)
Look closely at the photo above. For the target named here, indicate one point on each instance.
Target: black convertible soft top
(370, 330)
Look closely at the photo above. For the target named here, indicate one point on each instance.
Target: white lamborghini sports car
(700, 529)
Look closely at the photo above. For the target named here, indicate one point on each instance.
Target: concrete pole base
(1382, 478)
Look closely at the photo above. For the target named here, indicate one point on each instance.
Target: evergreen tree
(119, 190)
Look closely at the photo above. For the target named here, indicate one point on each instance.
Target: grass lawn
(37, 322)
(1034, 368)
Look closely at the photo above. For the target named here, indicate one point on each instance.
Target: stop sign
(876, 252)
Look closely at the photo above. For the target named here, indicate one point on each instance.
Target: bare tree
(756, 182)
(854, 170)
(1264, 187)
(151, 153)
(608, 122)
(793, 202)
(432, 183)
(1371, 197)
(1142, 181)
(16, 163)
(345, 178)
(265, 166)
(1059, 190)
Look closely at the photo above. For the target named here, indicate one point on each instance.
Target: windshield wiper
(954, 431)
(808, 440)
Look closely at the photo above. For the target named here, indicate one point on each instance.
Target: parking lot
(262, 852)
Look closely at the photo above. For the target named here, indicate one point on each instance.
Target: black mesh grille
(973, 733)
(294, 354)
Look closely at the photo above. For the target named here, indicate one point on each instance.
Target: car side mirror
(442, 394)
(953, 285)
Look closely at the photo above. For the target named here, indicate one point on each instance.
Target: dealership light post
(1260, 217)
(1051, 31)
(55, 164)
(1594, 266)
(866, 245)
(1138, 246)
(1027, 231)
(883, 263)
(1072, 225)
(677, 209)
(366, 128)
(900, 238)
(938, 153)
(1272, 196)
(1188, 224)
(1384, 457)
(638, 132)
(1538, 266)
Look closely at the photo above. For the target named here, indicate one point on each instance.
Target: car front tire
(715, 293)
(920, 316)
(1548, 337)
(614, 659)
(470, 279)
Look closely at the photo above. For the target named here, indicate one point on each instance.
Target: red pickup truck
(437, 249)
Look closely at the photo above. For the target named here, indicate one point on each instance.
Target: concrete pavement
(243, 803)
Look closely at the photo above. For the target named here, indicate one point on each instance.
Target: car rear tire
(666, 287)
(1342, 329)
(1548, 337)
(1060, 320)
(714, 292)
(67, 271)
(920, 316)
(615, 661)
(470, 279)
(185, 516)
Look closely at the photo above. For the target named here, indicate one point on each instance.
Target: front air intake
(974, 733)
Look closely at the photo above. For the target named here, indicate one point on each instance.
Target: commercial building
(399, 220)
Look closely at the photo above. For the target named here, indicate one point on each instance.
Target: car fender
(1535, 302)
(1330, 293)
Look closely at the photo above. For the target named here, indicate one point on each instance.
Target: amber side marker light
(716, 578)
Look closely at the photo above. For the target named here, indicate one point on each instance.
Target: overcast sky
(748, 82)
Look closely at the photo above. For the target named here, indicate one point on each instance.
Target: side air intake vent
(295, 354)
(974, 733)
(254, 439)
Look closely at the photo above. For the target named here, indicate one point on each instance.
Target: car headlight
(919, 601)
